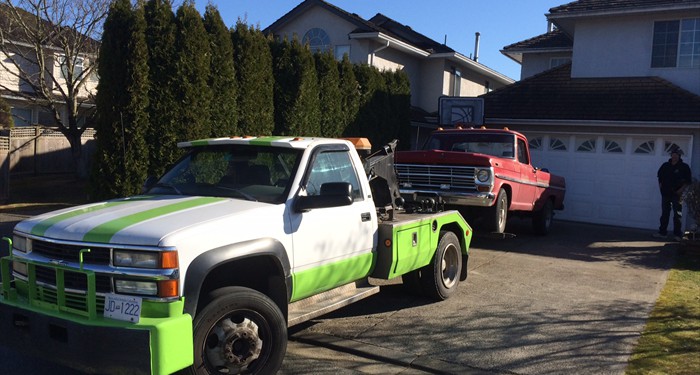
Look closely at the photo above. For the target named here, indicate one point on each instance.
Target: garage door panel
(614, 188)
(586, 166)
(581, 188)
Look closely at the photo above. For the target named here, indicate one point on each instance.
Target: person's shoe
(677, 238)
(658, 235)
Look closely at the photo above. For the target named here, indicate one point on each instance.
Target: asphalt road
(575, 301)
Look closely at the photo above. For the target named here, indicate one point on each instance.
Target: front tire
(441, 278)
(239, 332)
(498, 214)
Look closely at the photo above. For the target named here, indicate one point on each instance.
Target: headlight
(161, 288)
(145, 259)
(483, 175)
(20, 243)
(145, 288)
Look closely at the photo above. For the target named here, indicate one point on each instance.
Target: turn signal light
(168, 288)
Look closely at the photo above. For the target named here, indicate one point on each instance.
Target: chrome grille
(74, 280)
(57, 251)
(436, 176)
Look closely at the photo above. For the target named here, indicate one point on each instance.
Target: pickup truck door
(528, 177)
(334, 245)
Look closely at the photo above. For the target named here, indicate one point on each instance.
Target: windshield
(256, 173)
(499, 145)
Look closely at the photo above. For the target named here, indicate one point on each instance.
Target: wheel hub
(236, 346)
(450, 266)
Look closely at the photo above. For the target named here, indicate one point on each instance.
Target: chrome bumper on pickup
(450, 197)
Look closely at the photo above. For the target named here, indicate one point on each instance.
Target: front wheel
(498, 214)
(441, 278)
(239, 332)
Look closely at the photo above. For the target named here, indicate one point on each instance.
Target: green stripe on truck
(104, 232)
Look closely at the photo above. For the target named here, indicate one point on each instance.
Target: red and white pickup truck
(482, 171)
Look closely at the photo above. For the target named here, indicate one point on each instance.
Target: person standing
(674, 175)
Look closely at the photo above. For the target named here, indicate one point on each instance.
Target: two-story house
(24, 69)
(603, 97)
(434, 69)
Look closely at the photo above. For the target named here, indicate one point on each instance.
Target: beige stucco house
(434, 69)
(603, 97)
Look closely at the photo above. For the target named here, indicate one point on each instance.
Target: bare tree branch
(48, 52)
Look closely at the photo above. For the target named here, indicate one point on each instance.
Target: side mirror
(148, 184)
(333, 194)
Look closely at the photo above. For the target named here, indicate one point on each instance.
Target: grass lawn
(670, 343)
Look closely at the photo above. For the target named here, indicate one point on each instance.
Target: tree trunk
(76, 149)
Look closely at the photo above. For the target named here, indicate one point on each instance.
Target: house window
(317, 39)
(587, 145)
(612, 147)
(557, 144)
(77, 67)
(645, 148)
(341, 51)
(556, 61)
(676, 44)
(455, 82)
(22, 116)
(667, 147)
(46, 118)
(535, 143)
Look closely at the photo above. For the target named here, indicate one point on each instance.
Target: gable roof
(581, 7)
(383, 29)
(407, 34)
(377, 24)
(14, 20)
(553, 41)
(307, 4)
(554, 95)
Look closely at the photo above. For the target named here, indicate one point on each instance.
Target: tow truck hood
(443, 157)
(139, 220)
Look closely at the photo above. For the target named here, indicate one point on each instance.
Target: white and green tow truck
(205, 270)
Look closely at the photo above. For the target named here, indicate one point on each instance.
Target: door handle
(365, 216)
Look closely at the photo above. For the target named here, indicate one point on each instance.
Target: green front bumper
(69, 328)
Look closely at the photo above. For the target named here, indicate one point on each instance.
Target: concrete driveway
(575, 301)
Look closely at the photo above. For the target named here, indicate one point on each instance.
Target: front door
(332, 246)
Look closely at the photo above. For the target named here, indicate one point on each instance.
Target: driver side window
(332, 166)
(522, 152)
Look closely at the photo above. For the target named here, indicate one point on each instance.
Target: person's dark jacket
(673, 177)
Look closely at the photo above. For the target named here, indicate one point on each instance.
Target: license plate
(124, 308)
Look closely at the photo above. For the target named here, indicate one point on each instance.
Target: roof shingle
(583, 6)
(554, 95)
(554, 39)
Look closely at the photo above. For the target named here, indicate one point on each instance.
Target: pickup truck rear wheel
(498, 214)
(542, 220)
(441, 278)
(240, 332)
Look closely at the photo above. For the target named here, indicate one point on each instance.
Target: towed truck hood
(139, 220)
(443, 157)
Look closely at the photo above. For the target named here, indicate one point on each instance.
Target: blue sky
(500, 22)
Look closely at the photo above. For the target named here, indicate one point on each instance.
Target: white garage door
(610, 179)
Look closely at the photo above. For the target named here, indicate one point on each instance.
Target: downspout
(371, 59)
